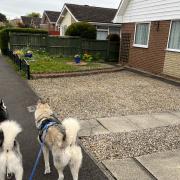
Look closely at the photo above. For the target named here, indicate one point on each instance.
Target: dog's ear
(1, 138)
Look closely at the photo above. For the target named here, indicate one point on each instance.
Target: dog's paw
(47, 171)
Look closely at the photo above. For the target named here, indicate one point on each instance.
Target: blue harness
(45, 125)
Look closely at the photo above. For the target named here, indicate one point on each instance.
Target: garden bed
(43, 63)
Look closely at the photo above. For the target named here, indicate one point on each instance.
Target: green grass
(44, 63)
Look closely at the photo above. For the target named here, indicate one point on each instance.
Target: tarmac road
(18, 96)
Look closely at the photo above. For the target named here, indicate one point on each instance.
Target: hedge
(82, 29)
(4, 36)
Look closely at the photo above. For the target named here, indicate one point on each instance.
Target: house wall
(172, 64)
(67, 20)
(152, 58)
(150, 10)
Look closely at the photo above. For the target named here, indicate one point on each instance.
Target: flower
(77, 56)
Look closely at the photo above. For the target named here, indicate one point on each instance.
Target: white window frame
(102, 30)
(140, 45)
(169, 49)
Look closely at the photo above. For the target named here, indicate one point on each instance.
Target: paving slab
(91, 127)
(146, 121)
(117, 124)
(126, 169)
(167, 118)
(176, 113)
(164, 165)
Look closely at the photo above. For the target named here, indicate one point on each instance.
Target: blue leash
(40, 151)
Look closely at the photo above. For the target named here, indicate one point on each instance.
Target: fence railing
(68, 46)
(20, 63)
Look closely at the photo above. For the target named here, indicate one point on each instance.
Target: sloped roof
(26, 20)
(92, 13)
(53, 15)
(36, 21)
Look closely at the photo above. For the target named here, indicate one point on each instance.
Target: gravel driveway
(115, 94)
(106, 95)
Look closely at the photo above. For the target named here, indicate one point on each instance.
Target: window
(174, 36)
(141, 37)
(101, 34)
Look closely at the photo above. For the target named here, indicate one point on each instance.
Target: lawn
(45, 63)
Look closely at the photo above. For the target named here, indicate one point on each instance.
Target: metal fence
(21, 63)
(66, 46)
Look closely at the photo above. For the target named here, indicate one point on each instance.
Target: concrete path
(18, 96)
(161, 165)
(128, 123)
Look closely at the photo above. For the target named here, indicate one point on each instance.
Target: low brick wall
(172, 64)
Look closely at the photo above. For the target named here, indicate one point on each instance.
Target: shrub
(82, 29)
(113, 37)
(4, 36)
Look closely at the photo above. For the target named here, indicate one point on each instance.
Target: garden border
(22, 64)
(78, 73)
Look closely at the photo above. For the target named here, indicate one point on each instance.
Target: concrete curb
(74, 74)
(163, 78)
(100, 165)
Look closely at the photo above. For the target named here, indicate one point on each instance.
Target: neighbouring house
(97, 16)
(150, 35)
(49, 20)
(14, 22)
(33, 22)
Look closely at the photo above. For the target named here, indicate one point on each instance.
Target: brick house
(150, 35)
(100, 17)
(49, 20)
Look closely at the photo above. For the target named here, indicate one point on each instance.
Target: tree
(34, 14)
(82, 29)
(3, 18)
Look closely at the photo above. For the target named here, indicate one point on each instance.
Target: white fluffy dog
(60, 138)
(10, 156)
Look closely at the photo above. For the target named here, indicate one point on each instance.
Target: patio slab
(146, 121)
(91, 127)
(177, 114)
(126, 169)
(167, 118)
(117, 124)
(164, 165)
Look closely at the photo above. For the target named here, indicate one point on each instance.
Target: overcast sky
(17, 8)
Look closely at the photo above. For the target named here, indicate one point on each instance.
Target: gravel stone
(106, 95)
(134, 143)
(115, 94)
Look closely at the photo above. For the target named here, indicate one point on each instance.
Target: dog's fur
(3, 111)
(10, 155)
(65, 151)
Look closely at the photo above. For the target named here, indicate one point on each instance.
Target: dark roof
(53, 15)
(26, 20)
(36, 21)
(91, 13)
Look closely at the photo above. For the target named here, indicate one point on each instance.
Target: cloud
(17, 8)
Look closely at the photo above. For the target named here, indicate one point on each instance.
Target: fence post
(28, 71)
(20, 63)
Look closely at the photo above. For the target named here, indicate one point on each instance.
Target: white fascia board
(120, 12)
(105, 24)
(62, 12)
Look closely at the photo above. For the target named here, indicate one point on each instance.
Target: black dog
(3, 112)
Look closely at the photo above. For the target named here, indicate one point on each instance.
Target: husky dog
(10, 156)
(60, 138)
(3, 112)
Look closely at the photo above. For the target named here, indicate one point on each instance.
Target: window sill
(173, 50)
(140, 46)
